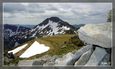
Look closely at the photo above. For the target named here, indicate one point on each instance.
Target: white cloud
(71, 12)
(25, 4)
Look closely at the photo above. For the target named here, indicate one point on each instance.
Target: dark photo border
(53, 1)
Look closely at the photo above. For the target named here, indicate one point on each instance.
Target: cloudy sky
(74, 13)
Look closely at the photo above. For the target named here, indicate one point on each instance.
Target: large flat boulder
(97, 34)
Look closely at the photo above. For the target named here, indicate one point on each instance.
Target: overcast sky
(74, 13)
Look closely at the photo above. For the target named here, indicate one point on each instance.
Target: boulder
(98, 34)
(84, 58)
(40, 62)
(96, 57)
(71, 57)
(106, 61)
(51, 61)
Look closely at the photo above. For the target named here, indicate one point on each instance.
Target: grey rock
(98, 34)
(40, 62)
(106, 60)
(51, 61)
(70, 58)
(96, 57)
(84, 58)
(25, 63)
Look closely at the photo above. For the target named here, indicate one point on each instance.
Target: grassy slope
(59, 45)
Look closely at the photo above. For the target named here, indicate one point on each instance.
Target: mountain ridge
(54, 25)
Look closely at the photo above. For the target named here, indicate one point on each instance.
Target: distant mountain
(14, 29)
(77, 26)
(29, 26)
(14, 35)
(53, 26)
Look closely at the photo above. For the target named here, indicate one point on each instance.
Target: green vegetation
(59, 45)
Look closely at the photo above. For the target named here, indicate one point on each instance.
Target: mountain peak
(53, 26)
(55, 19)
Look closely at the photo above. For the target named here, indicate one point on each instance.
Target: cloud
(13, 7)
(34, 8)
(70, 12)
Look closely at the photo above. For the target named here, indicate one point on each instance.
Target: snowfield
(18, 49)
(34, 49)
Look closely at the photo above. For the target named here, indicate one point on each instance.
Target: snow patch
(33, 35)
(53, 25)
(18, 49)
(34, 49)
(65, 28)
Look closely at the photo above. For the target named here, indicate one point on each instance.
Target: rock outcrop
(71, 58)
(97, 34)
(100, 37)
